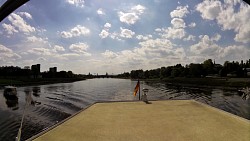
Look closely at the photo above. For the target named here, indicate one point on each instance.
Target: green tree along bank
(11, 75)
(206, 73)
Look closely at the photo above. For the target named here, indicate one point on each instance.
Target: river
(55, 102)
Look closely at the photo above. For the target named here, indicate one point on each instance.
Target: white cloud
(177, 30)
(243, 35)
(152, 53)
(180, 12)
(192, 24)
(158, 30)
(131, 16)
(51, 56)
(206, 47)
(237, 21)
(180, 53)
(9, 28)
(139, 9)
(235, 52)
(4, 49)
(41, 59)
(107, 25)
(232, 2)
(7, 54)
(116, 36)
(232, 52)
(190, 37)
(75, 31)
(217, 37)
(35, 39)
(79, 30)
(77, 3)
(69, 56)
(58, 48)
(173, 33)
(126, 33)
(144, 37)
(26, 14)
(109, 54)
(18, 22)
(65, 34)
(40, 51)
(100, 11)
(204, 44)
(80, 48)
(41, 30)
(178, 23)
(104, 33)
(209, 9)
(156, 43)
(226, 16)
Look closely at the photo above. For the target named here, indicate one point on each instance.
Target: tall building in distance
(53, 69)
(35, 69)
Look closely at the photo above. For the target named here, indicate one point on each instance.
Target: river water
(55, 102)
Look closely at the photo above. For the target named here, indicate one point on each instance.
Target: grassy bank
(39, 81)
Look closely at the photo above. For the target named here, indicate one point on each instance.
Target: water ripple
(59, 101)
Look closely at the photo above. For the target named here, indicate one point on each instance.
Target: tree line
(18, 72)
(206, 69)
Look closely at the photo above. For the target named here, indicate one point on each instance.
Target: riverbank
(232, 83)
(227, 83)
(39, 81)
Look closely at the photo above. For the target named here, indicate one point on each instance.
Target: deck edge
(75, 114)
(222, 111)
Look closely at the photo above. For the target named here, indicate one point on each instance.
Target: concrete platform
(172, 120)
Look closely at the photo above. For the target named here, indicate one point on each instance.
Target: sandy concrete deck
(175, 120)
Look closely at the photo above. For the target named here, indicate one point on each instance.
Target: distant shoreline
(18, 82)
(225, 83)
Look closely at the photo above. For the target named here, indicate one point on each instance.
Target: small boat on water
(10, 92)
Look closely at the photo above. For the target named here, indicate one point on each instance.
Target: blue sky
(115, 36)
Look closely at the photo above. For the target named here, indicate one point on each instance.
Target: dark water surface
(55, 102)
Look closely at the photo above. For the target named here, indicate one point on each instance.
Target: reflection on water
(12, 103)
(36, 91)
(227, 100)
(28, 96)
(50, 104)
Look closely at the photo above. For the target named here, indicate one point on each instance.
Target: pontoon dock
(172, 120)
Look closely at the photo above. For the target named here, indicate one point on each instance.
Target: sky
(117, 36)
